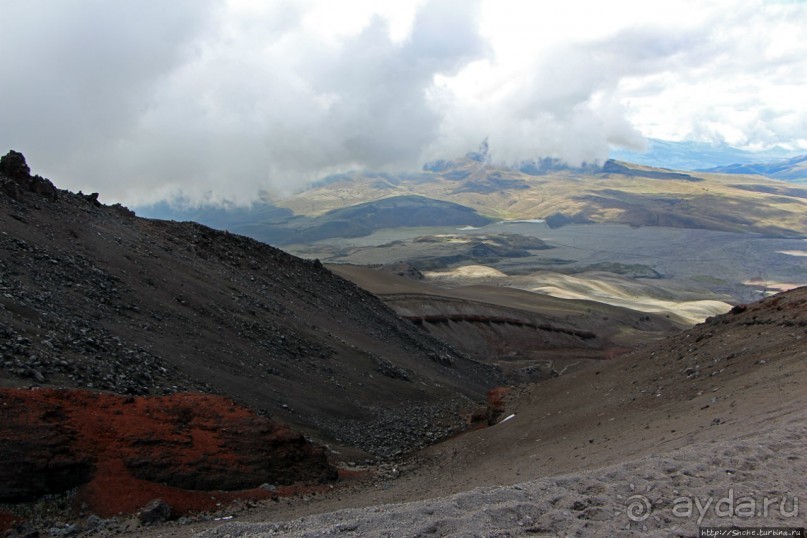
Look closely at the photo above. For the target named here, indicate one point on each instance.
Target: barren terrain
(716, 411)
(599, 261)
(530, 336)
(141, 359)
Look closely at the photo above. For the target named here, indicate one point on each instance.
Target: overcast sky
(142, 100)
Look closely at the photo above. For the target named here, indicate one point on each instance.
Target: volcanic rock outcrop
(53, 440)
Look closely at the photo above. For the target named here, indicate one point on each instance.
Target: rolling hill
(363, 219)
(530, 336)
(618, 193)
(353, 204)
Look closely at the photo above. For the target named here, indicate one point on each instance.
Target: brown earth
(7, 521)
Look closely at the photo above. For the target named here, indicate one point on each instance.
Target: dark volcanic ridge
(93, 297)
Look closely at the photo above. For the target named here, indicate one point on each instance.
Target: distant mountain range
(794, 169)
(690, 155)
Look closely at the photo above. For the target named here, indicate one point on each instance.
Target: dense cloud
(78, 76)
(215, 99)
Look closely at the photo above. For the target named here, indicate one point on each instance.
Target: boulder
(156, 511)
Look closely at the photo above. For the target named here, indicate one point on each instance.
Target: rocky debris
(91, 198)
(497, 398)
(92, 297)
(498, 320)
(385, 367)
(524, 345)
(53, 440)
(8, 523)
(637, 497)
(54, 514)
(392, 434)
(156, 511)
(77, 352)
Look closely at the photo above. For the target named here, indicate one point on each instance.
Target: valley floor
(714, 415)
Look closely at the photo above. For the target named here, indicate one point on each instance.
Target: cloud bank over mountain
(214, 99)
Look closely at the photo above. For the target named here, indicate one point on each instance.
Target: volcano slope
(714, 414)
(93, 297)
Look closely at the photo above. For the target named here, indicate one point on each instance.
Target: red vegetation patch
(115, 491)
(496, 403)
(126, 451)
(489, 415)
(496, 398)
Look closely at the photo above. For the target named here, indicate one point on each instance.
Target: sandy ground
(592, 286)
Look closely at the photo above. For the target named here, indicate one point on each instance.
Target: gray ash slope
(92, 296)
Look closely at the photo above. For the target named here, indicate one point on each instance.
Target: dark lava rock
(156, 511)
(13, 165)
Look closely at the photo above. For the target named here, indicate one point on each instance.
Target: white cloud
(221, 99)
